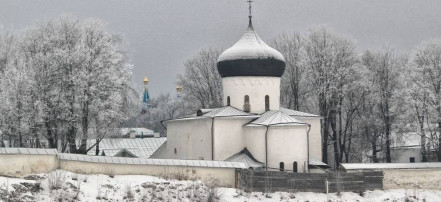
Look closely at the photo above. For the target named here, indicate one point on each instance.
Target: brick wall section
(273, 181)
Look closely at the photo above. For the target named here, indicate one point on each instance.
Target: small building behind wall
(126, 147)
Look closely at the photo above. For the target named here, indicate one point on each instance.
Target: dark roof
(251, 56)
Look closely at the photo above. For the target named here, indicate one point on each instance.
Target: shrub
(56, 179)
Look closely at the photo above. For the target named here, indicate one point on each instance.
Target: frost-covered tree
(330, 60)
(201, 82)
(67, 82)
(426, 60)
(293, 83)
(384, 80)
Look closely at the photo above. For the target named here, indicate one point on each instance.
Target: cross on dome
(249, 3)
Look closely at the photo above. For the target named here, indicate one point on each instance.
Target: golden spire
(146, 80)
(179, 88)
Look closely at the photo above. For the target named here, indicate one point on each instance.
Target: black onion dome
(251, 56)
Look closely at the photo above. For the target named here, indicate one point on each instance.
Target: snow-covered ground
(67, 186)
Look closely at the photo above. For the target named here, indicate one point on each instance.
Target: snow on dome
(251, 56)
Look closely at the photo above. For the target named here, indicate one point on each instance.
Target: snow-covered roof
(251, 56)
(381, 166)
(292, 112)
(157, 162)
(247, 158)
(316, 162)
(250, 46)
(272, 118)
(32, 151)
(141, 147)
(408, 139)
(226, 111)
(116, 152)
(138, 131)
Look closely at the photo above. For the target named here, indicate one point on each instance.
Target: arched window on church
(267, 108)
(282, 166)
(294, 167)
(228, 100)
(246, 105)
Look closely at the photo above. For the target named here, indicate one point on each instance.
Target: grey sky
(162, 34)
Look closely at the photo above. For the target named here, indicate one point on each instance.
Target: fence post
(327, 190)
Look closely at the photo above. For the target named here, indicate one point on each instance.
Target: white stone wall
(226, 176)
(256, 87)
(228, 136)
(285, 144)
(190, 138)
(412, 179)
(315, 136)
(19, 165)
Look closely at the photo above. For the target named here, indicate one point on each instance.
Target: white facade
(285, 144)
(315, 135)
(256, 87)
(191, 139)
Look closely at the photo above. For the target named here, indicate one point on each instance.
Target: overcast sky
(162, 34)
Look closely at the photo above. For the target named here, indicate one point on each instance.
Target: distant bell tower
(146, 96)
(178, 91)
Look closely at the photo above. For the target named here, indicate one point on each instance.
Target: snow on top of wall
(380, 166)
(31, 151)
(155, 162)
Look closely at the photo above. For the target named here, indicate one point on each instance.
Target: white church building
(251, 127)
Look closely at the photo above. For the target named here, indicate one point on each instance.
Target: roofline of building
(277, 125)
(207, 117)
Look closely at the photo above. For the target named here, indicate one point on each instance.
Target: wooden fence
(272, 181)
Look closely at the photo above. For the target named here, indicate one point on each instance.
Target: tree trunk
(325, 135)
(374, 153)
(423, 139)
(97, 147)
(50, 136)
(85, 125)
(388, 130)
(438, 109)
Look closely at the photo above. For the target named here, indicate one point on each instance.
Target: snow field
(67, 186)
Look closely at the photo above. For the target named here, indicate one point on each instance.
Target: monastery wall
(224, 176)
(412, 179)
(19, 165)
